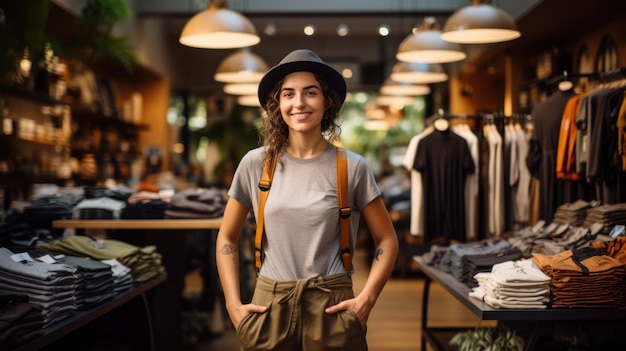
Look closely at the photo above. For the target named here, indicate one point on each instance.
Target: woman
(303, 298)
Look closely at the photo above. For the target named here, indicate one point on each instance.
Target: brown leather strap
(344, 210)
(264, 185)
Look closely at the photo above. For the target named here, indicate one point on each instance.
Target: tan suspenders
(342, 198)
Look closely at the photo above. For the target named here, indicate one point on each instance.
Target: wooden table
(169, 237)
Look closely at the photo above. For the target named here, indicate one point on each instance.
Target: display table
(122, 300)
(483, 311)
(169, 237)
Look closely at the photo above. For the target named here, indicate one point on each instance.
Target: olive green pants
(295, 319)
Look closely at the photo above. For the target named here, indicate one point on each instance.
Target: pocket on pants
(357, 321)
(266, 331)
(341, 330)
(250, 328)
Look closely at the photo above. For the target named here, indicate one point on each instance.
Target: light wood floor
(395, 321)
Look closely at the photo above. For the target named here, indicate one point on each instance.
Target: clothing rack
(611, 75)
(566, 76)
(479, 116)
(606, 76)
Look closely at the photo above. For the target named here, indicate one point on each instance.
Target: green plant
(93, 43)
(488, 339)
(193, 324)
(235, 136)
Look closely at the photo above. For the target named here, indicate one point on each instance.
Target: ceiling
(370, 56)
(543, 24)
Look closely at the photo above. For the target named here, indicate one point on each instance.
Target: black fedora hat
(301, 60)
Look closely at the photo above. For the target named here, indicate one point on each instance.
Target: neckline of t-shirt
(329, 148)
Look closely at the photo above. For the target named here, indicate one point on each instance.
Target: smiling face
(302, 102)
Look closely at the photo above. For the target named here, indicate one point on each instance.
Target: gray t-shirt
(302, 229)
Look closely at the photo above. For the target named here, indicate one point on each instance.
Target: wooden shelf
(24, 94)
(95, 118)
(43, 141)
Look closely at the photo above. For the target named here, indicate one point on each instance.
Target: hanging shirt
(547, 116)
(496, 222)
(565, 156)
(621, 132)
(417, 200)
(471, 187)
(444, 160)
(521, 198)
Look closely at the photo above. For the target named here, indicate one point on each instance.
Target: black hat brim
(274, 75)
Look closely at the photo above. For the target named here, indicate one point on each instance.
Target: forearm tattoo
(378, 253)
(228, 249)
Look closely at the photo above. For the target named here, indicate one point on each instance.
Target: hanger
(566, 84)
(441, 123)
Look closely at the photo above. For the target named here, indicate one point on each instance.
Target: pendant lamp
(427, 46)
(241, 88)
(249, 100)
(479, 23)
(241, 67)
(395, 100)
(394, 88)
(219, 28)
(418, 73)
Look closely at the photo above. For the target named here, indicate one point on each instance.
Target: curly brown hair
(275, 132)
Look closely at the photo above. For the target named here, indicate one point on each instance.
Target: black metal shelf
(69, 325)
(483, 311)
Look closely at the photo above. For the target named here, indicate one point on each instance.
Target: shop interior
(114, 121)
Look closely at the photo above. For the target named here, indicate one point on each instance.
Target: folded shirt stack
(44, 210)
(513, 284)
(584, 278)
(196, 203)
(608, 215)
(50, 286)
(20, 321)
(144, 262)
(145, 209)
(483, 263)
(573, 213)
(98, 208)
(122, 278)
(454, 258)
(95, 280)
(614, 248)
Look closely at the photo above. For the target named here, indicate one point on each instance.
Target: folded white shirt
(479, 294)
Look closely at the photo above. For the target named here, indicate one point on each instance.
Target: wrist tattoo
(378, 253)
(228, 249)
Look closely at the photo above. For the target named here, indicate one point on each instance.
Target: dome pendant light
(241, 88)
(391, 87)
(241, 67)
(219, 28)
(479, 23)
(427, 46)
(418, 73)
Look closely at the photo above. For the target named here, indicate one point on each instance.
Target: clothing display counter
(537, 318)
(134, 298)
(169, 237)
